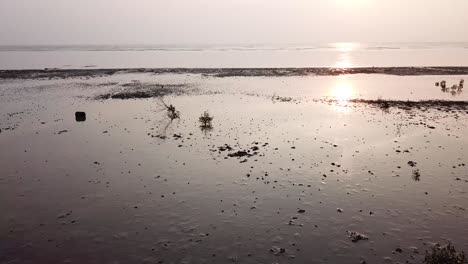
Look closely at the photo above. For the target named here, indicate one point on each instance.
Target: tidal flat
(311, 166)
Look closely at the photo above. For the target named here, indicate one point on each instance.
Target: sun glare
(343, 92)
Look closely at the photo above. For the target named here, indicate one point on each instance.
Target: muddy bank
(442, 105)
(278, 178)
(233, 72)
(137, 90)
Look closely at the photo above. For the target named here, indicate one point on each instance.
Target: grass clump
(445, 255)
(206, 120)
(283, 99)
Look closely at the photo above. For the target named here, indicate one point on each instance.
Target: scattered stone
(277, 250)
(356, 237)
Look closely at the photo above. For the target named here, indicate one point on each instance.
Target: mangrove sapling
(205, 120)
(172, 113)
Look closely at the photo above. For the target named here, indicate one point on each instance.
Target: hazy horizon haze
(224, 22)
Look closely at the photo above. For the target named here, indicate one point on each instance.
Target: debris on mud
(356, 237)
(277, 251)
(416, 175)
(240, 152)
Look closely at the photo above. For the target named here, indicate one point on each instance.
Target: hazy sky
(231, 21)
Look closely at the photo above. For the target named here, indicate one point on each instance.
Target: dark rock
(80, 116)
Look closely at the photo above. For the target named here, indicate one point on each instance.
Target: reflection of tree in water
(398, 129)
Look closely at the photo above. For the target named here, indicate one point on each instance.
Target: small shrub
(443, 84)
(445, 255)
(282, 99)
(205, 120)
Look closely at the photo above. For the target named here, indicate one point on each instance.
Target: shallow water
(112, 189)
(342, 55)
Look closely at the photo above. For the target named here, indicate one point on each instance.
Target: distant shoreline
(233, 72)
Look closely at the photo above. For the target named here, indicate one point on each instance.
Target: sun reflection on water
(345, 46)
(341, 93)
(344, 61)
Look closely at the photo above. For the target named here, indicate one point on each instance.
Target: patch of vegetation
(281, 99)
(409, 105)
(206, 121)
(445, 255)
(137, 90)
(454, 89)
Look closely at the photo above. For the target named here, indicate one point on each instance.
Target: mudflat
(296, 165)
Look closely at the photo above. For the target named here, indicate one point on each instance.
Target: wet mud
(334, 175)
